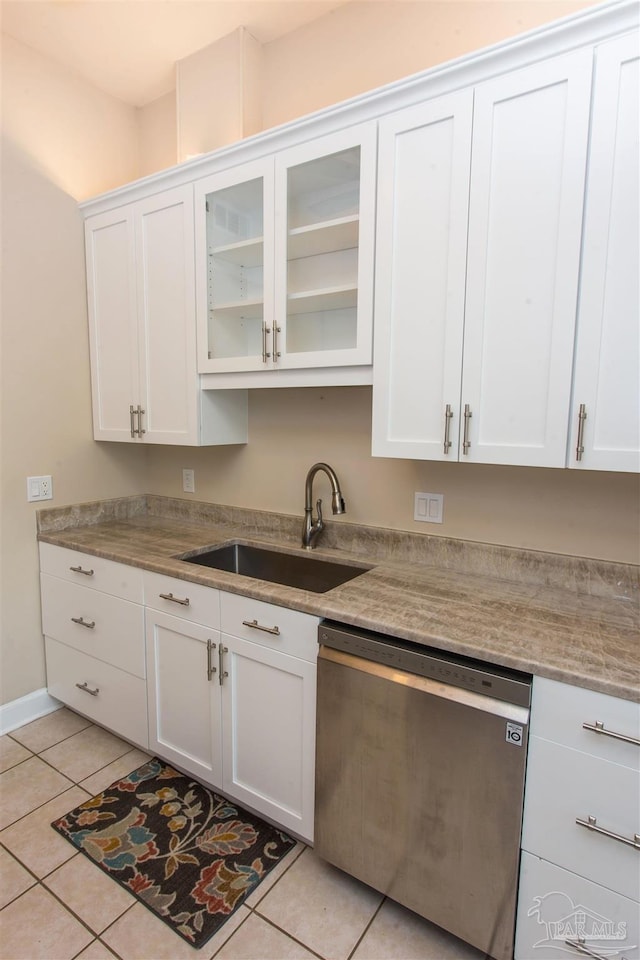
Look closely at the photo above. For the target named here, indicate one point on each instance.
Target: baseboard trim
(28, 708)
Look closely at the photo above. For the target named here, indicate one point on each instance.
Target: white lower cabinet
(237, 713)
(580, 879)
(563, 915)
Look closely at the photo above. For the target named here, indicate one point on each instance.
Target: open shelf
(315, 301)
(327, 236)
(247, 253)
(249, 309)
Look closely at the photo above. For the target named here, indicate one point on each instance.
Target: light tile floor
(56, 905)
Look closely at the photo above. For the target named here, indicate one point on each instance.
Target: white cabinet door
(113, 329)
(324, 242)
(166, 317)
(424, 159)
(268, 706)
(607, 366)
(184, 695)
(529, 151)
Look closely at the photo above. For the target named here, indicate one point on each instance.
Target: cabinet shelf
(248, 253)
(240, 309)
(329, 298)
(327, 236)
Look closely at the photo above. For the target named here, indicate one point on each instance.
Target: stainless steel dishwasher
(420, 769)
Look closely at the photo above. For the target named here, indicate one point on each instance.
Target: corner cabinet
(478, 250)
(605, 422)
(141, 301)
(284, 260)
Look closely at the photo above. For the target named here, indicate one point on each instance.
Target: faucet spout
(311, 528)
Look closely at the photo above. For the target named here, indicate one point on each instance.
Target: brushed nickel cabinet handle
(223, 673)
(591, 823)
(132, 415)
(448, 416)
(265, 331)
(580, 945)
(258, 626)
(276, 331)
(598, 727)
(170, 596)
(582, 416)
(89, 624)
(210, 667)
(140, 412)
(87, 573)
(86, 689)
(466, 443)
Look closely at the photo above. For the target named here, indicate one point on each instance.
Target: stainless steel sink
(291, 569)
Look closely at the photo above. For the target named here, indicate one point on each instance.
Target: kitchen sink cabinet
(237, 713)
(579, 877)
(284, 261)
(478, 246)
(141, 303)
(605, 421)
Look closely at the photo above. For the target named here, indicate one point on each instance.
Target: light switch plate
(189, 481)
(39, 488)
(428, 507)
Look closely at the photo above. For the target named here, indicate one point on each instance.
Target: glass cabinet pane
(235, 270)
(323, 207)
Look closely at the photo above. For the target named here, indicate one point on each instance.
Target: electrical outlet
(428, 507)
(189, 481)
(39, 488)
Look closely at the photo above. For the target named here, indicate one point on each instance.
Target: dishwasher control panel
(497, 682)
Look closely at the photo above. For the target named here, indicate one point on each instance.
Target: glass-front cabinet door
(234, 250)
(284, 250)
(324, 221)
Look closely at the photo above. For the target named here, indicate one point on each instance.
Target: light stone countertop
(564, 618)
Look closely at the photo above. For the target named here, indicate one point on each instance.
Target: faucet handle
(319, 513)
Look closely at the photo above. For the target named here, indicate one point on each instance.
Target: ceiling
(128, 48)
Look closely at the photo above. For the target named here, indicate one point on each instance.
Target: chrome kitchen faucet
(311, 528)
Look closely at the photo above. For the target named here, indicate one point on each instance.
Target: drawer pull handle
(598, 727)
(87, 573)
(170, 596)
(223, 673)
(86, 688)
(258, 626)
(448, 415)
(591, 823)
(580, 945)
(210, 667)
(89, 624)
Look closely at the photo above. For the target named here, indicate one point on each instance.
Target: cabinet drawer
(180, 598)
(120, 703)
(559, 711)
(95, 623)
(563, 784)
(117, 579)
(281, 629)
(555, 905)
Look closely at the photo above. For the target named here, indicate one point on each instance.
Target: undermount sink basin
(290, 569)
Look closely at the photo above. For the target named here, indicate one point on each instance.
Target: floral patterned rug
(188, 854)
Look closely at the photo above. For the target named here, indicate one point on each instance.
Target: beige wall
(363, 45)
(589, 514)
(46, 405)
(64, 140)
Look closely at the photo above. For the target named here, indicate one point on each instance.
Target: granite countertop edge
(510, 616)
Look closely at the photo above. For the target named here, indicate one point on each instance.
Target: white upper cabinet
(605, 422)
(284, 252)
(525, 223)
(424, 163)
(478, 248)
(141, 290)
